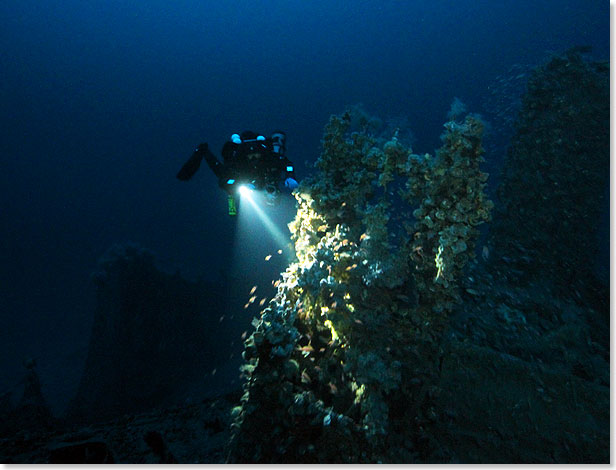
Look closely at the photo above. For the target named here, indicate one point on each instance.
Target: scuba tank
(278, 143)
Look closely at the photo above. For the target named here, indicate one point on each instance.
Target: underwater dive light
(245, 190)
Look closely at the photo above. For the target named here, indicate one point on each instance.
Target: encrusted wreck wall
(343, 363)
(556, 176)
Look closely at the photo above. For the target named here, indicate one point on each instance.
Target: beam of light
(254, 201)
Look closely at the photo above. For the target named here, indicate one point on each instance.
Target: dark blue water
(102, 101)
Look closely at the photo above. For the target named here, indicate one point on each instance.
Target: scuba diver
(249, 160)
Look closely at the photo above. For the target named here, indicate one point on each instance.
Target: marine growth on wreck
(343, 362)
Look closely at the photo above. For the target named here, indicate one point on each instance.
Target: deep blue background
(102, 101)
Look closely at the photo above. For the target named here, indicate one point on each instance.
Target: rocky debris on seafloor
(195, 433)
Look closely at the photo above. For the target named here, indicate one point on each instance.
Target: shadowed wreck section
(153, 338)
(555, 178)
